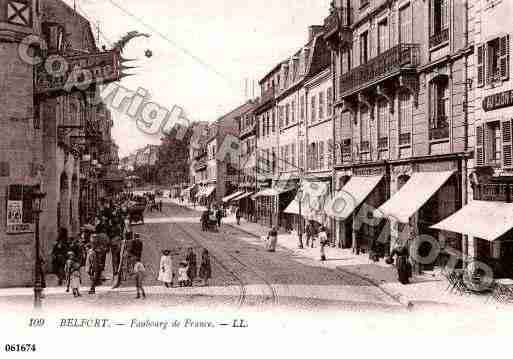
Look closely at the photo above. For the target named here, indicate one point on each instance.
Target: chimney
(314, 30)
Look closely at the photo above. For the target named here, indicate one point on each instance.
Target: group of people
(211, 218)
(187, 270)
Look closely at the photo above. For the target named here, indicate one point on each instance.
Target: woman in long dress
(191, 265)
(205, 271)
(166, 269)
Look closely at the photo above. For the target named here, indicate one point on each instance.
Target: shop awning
(232, 196)
(275, 191)
(483, 219)
(413, 195)
(351, 196)
(312, 197)
(242, 196)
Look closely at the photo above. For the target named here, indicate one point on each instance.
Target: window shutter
(480, 65)
(480, 155)
(504, 57)
(507, 158)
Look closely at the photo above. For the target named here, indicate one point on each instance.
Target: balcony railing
(439, 38)
(439, 129)
(493, 192)
(383, 142)
(339, 19)
(404, 139)
(381, 66)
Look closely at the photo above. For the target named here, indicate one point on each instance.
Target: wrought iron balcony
(439, 38)
(387, 64)
(493, 192)
(337, 26)
(439, 129)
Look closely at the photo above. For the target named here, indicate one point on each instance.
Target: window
(273, 114)
(383, 119)
(364, 47)
(321, 105)
(383, 36)
(302, 107)
(329, 96)
(345, 137)
(321, 155)
(293, 112)
(280, 115)
(312, 120)
(364, 128)
(287, 114)
(293, 155)
(345, 61)
(493, 61)
(405, 31)
(287, 164)
(405, 118)
(439, 108)
(329, 152)
(439, 22)
(301, 158)
(274, 159)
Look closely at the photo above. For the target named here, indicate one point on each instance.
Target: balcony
(439, 129)
(402, 57)
(337, 26)
(247, 132)
(439, 38)
(493, 192)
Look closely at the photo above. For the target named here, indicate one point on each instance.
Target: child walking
(75, 278)
(183, 278)
(139, 272)
(68, 267)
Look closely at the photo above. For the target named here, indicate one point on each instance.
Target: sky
(203, 50)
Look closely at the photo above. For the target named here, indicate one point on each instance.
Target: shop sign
(369, 171)
(498, 100)
(19, 209)
(78, 71)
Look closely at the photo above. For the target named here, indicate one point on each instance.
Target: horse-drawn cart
(136, 212)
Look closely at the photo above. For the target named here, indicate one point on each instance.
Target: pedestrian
(139, 273)
(68, 268)
(323, 242)
(160, 206)
(272, 239)
(191, 264)
(238, 215)
(310, 234)
(404, 268)
(205, 271)
(183, 278)
(204, 221)
(166, 269)
(219, 217)
(75, 279)
(212, 220)
(59, 255)
(93, 268)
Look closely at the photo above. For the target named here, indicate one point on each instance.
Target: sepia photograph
(307, 177)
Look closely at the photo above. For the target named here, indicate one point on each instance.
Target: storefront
(271, 202)
(366, 186)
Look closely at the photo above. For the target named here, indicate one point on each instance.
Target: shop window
(321, 155)
(493, 61)
(439, 108)
(439, 33)
(329, 153)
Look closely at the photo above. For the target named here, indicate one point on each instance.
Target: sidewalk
(428, 288)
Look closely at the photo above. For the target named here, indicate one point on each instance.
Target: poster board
(19, 214)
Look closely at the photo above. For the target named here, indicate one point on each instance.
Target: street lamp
(300, 231)
(37, 197)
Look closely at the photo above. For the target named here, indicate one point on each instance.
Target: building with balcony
(485, 220)
(403, 132)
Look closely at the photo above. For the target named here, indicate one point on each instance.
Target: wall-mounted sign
(67, 73)
(498, 100)
(19, 209)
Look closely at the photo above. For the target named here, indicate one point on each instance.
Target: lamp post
(37, 197)
(300, 222)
